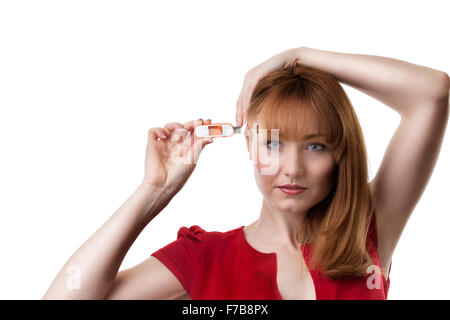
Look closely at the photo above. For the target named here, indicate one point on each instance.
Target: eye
(272, 144)
(322, 146)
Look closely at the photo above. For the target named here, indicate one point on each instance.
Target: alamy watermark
(374, 280)
(267, 156)
(73, 281)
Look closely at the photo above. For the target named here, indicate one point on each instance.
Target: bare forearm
(401, 85)
(91, 270)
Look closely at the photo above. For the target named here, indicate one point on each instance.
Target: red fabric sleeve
(183, 255)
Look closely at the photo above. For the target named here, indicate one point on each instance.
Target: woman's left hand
(252, 77)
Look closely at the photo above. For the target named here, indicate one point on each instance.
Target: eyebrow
(305, 137)
(313, 135)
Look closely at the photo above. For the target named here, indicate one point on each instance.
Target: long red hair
(337, 226)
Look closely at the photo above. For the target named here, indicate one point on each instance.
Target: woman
(345, 227)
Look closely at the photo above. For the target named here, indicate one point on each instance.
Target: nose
(292, 163)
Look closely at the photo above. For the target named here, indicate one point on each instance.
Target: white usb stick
(216, 130)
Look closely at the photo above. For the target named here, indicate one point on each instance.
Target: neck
(280, 225)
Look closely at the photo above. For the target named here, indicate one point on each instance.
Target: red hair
(337, 226)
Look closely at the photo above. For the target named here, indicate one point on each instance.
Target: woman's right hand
(170, 160)
(252, 77)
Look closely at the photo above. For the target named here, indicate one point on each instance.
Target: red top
(212, 265)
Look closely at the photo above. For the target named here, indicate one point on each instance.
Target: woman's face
(307, 162)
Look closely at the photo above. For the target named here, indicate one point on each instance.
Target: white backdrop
(81, 82)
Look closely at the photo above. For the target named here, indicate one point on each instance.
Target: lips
(291, 191)
(292, 186)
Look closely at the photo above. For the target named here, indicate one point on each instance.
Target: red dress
(212, 265)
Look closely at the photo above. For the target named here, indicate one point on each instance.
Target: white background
(81, 82)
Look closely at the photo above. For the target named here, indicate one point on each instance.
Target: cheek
(265, 163)
(264, 182)
(322, 171)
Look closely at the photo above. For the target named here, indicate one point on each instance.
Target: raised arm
(421, 96)
(405, 87)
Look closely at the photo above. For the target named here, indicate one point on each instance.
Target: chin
(290, 205)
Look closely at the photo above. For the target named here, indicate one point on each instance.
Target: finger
(165, 132)
(152, 136)
(246, 97)
(172, 126)
(193, 145)
(176, 131)
(162, 134)
(238, 113)
(198, 146)
(190, 125)
(179, 134)
(157, 132)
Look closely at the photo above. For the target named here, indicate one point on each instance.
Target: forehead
(294, 127)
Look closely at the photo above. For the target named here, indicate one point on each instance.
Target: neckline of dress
(273, 255)
(251, 248)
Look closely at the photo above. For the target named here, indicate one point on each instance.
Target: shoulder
(197, 233)
(194, 232)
